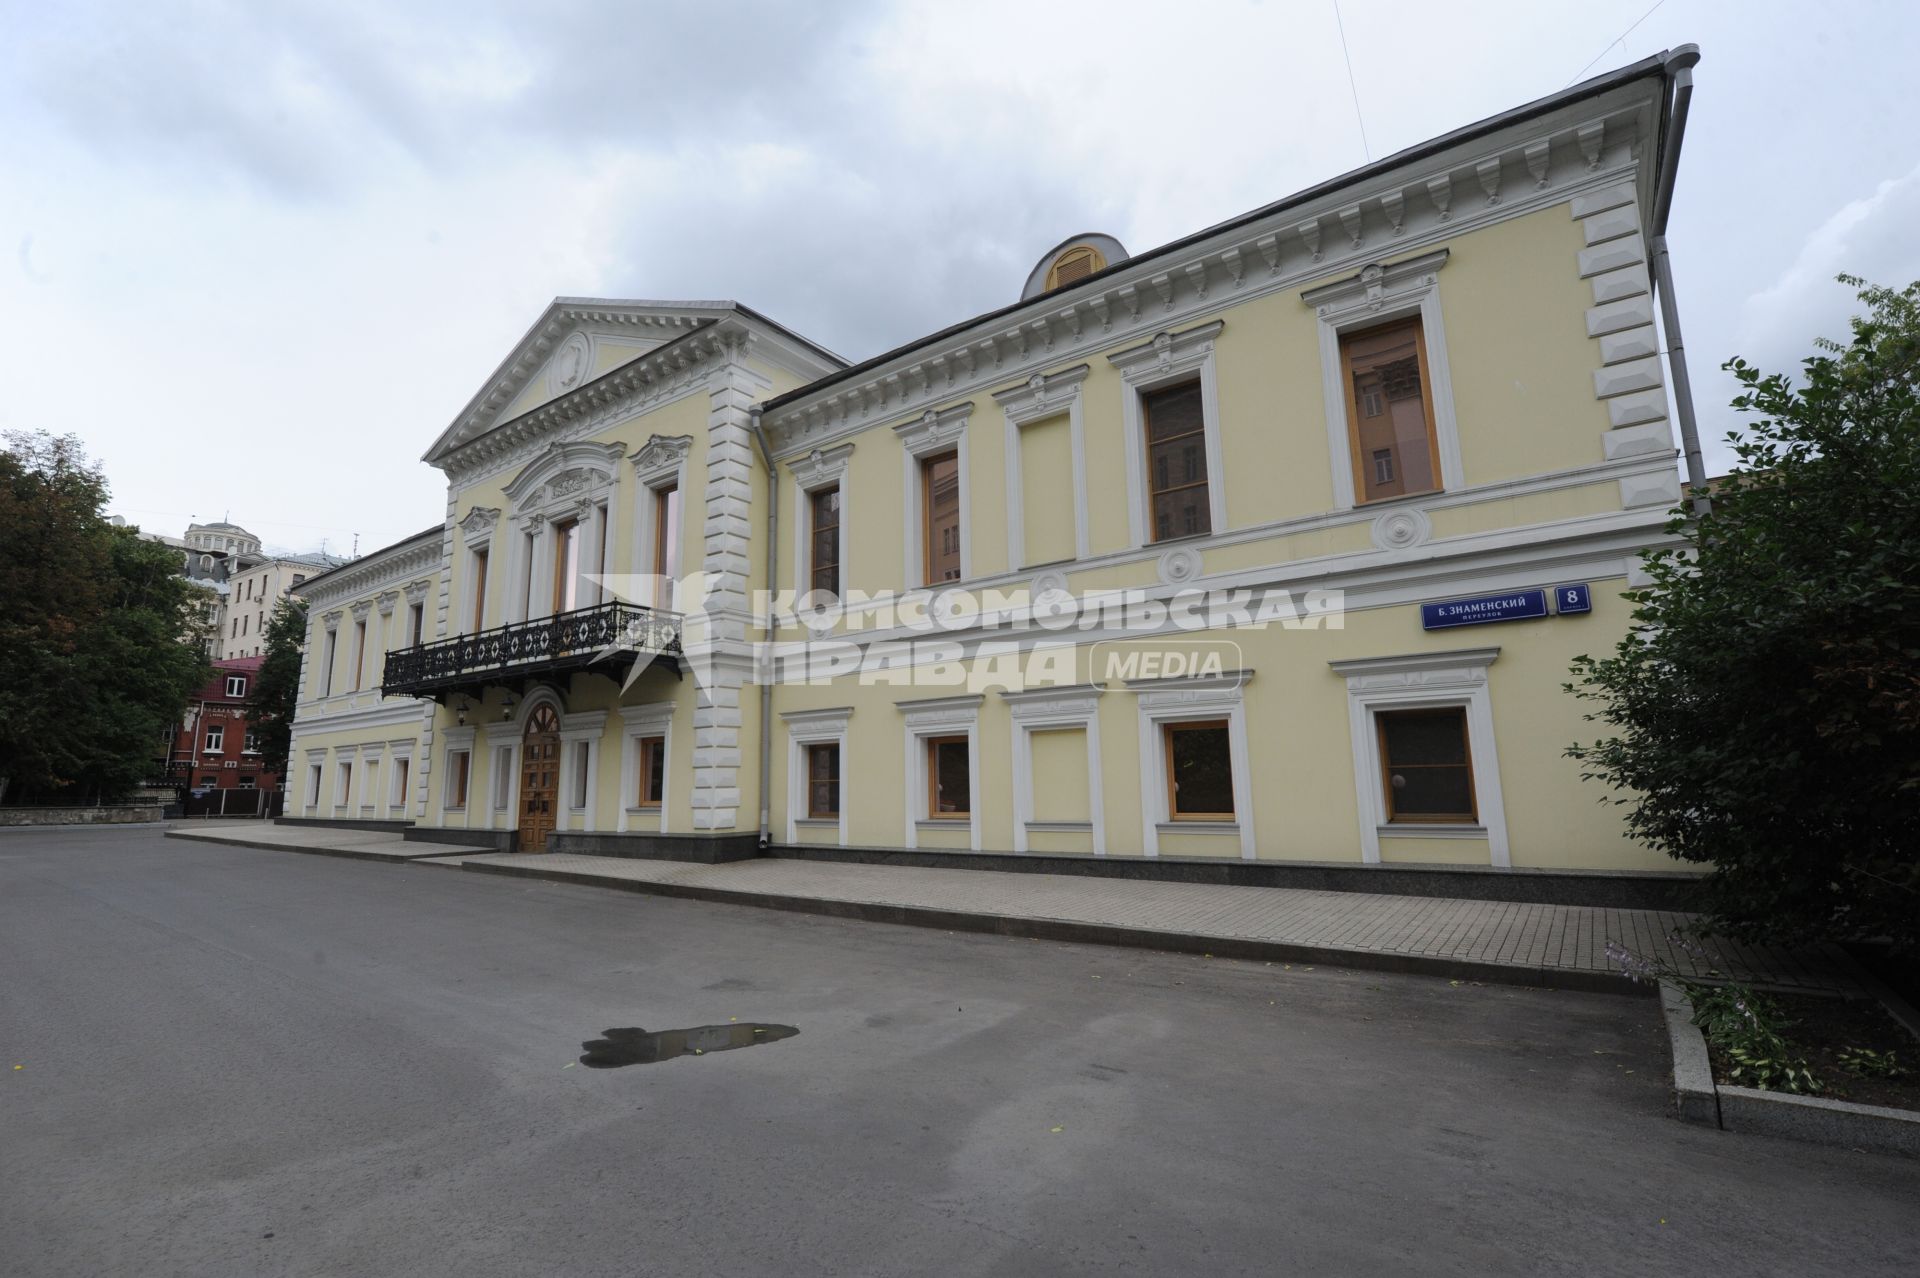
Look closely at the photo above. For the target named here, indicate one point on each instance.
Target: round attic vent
(1072, 260)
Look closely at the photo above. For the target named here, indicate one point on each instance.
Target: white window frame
(940, 717)
(1380, 295)
(342, 782)
(239, 691)
(584, 728)
(1187, 700)
(821, 469)
(316, 777)
(213, 739)
(811, 728)
(661, 463)
(503, 775)
(330, 650)
(1168, 359)
(1041, 398)
(637, 722)
(1424, 681)
(401, 753)
(1056, 710)
(476, 536)
(457, 741)
(370, 771)
(929, 435)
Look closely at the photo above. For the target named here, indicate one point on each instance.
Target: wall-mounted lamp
(506, 707)
(460, 709)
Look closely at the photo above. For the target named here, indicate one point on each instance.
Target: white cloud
(1872, 237)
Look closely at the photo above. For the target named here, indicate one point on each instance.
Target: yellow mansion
(1267, 549)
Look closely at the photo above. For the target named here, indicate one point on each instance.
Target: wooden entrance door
(539, 778)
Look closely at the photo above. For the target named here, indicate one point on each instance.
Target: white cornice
(1529, 165)
(1042, 395)
(392, 567)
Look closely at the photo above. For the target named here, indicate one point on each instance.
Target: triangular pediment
(576, 340)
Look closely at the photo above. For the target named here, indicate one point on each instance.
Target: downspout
(773, 586)
(1680, 64)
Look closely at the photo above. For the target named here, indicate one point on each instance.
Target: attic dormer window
(1074, 263)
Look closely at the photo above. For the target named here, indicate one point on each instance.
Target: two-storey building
(1273, 544)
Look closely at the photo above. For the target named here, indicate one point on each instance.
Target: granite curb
(1699, 1099)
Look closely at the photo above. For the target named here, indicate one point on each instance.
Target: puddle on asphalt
(636, 1046)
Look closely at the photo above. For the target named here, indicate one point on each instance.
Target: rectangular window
(1199, 771)
(478, 587)
(246, 783)
(1390, 411)
(344, 789)
(940, 502)
(313, 786)
(824, 574)
(823, 779)
(457, 768)
(402, 772)
(236, 685)
(1177, 462)
(949, 792)
(251, 745)
(416, 623)
(359, 652)
(1427, 767)
(582, 753)
(216, 739)
(566, 565)
(529, 546)
(666, 536)
(652, 781)
(326, 669)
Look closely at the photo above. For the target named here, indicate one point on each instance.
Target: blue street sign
(1575, 598)
(1515, 605)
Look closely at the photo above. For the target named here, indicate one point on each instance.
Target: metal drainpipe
(1680, 66)
(773, 585)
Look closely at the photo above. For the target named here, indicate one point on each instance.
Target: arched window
(1074, 263)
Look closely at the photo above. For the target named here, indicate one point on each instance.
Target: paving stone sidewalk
(1506, 941)
(369, 845)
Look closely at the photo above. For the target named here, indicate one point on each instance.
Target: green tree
(1764, 716)
(95, 627)
(276, 688)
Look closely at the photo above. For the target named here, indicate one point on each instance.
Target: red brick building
(214, 749)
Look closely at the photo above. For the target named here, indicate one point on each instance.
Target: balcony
(606, 638)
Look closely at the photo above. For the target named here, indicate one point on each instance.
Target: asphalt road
(259, 1063)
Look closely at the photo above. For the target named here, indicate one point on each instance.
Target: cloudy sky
(262, 251)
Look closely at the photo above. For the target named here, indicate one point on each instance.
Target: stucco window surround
(1051, 710)
(316, 773)
(1042, 398)
(343, 781)
(584, 728)
(659, 467)
(1424, 681)
(399, 778)
(1379, 295)
(476, 539)
(821, 469)
(923, 720)
(810, 728)
(329, 649)
(636, 724)
(1168, 359)
(929, 435)
(576, 481)
(370, 776)
(1186, 700)
(457, 741)
(503, 775)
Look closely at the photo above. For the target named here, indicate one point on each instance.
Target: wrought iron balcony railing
(608, 636)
